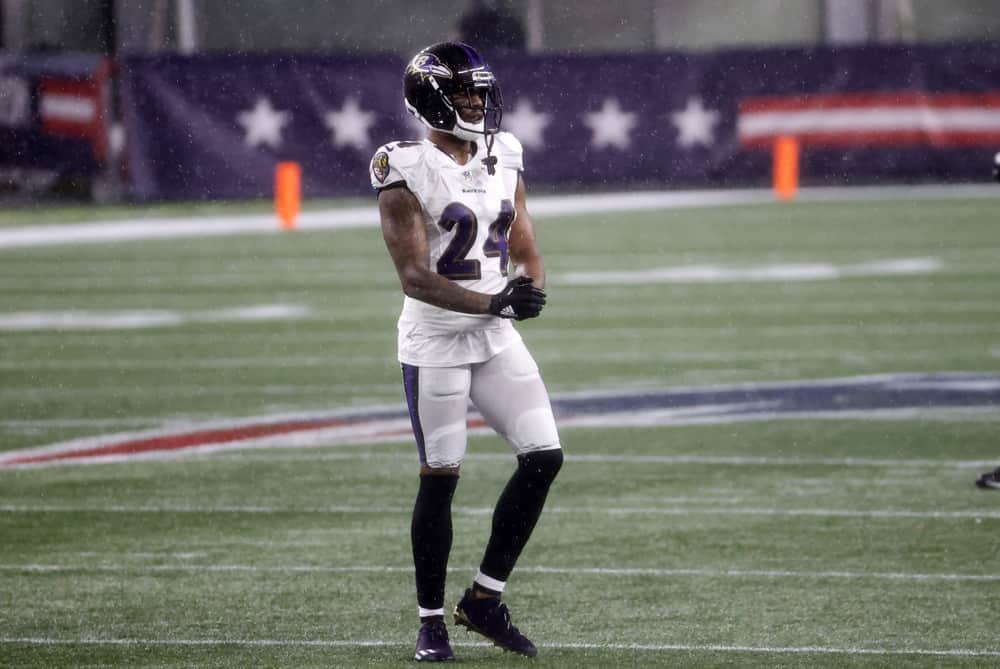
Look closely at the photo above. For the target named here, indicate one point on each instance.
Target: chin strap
(490, 160)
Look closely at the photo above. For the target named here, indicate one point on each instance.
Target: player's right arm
(406, 239)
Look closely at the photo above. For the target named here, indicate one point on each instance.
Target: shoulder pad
(393, 162)
(509, 149)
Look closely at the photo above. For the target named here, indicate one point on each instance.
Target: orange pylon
(288, 192)
(786, 167)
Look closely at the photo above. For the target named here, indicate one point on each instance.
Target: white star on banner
(611, 125)
(350, 125)
(527, 124)
(263, 124)
(695, 124)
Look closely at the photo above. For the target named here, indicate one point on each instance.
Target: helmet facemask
(491, 109)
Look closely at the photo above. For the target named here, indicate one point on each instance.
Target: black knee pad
(437, 489)
(541, 466)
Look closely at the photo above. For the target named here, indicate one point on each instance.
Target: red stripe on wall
(813, 102)
(864, 138)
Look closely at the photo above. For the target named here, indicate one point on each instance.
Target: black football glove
(518, 300)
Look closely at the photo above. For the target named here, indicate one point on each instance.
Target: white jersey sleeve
(509, 151)
(511, 157)
(396, 164)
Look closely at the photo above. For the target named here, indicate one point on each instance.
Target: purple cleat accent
(490, 617)
(432, 643)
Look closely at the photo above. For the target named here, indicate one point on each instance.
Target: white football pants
(506, 389)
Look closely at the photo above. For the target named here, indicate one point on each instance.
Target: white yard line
(773, 272)
(145, 318)
(408, 643)
(885, 514)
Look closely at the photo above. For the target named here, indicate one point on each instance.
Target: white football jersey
(467, 216)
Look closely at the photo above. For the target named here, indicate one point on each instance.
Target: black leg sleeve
(518, 510)
(430, 534)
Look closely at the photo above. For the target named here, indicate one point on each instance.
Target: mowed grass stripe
(961, 286)
(346, 360)
(175, 281)
(704, 510)
(195, 389)
(340, 361)
(761, 308)
(38, 263)
(626, 459)
(777, 574)
(357, 320)
(777, 305)
(75, 340)
(347, 453)
(639, 647)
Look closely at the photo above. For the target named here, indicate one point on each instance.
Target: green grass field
(808, 541)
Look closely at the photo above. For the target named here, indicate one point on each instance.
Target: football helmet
(440, 71)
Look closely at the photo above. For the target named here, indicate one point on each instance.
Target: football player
(454, 218)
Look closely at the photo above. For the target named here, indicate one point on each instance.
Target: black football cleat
(490, 617)
(432, 643)
(990, 480)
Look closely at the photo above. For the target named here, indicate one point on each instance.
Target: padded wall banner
(215, 126)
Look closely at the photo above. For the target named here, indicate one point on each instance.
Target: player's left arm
(522, 245)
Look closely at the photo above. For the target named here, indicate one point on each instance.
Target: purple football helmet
(440, 71)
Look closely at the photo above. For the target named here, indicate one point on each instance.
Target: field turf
(853, 540)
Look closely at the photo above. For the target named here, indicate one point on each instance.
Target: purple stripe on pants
(411, 386)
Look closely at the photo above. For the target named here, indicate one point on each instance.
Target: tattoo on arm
(406, 239)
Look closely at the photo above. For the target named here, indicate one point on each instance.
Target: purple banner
(215, 126)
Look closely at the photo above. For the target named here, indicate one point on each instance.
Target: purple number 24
(453, 264)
